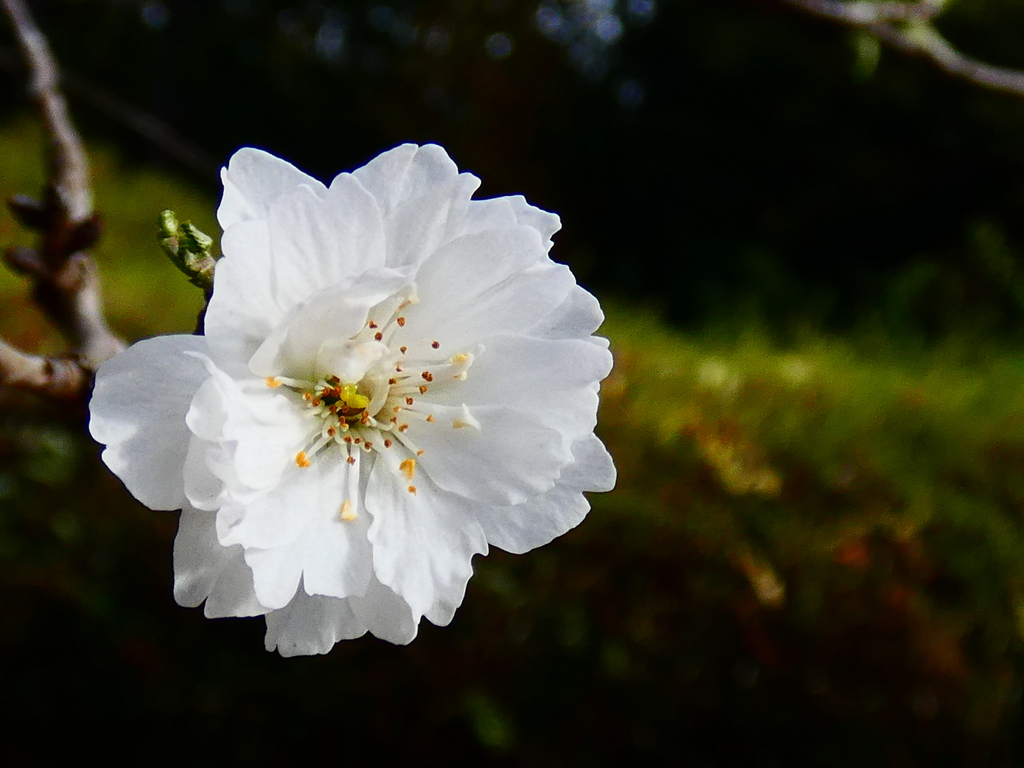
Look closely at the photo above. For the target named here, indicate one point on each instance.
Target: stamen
(400, 321)
(466, 419)
(272, 382)
(301, 460)
(348, 512)
(435, 344)
(412, 489)
(408, 468)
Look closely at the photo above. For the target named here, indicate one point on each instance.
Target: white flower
(393, 376)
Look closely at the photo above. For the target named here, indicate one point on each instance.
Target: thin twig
(927, 42)
(69, 169)
(907, 27)
(65, 279)
(863, 12)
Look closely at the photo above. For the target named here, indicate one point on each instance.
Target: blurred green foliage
(814, 556)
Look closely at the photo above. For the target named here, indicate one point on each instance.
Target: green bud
(189, 249)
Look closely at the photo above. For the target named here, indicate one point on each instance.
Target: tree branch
(907, 27)
(65, 279)
(55, 378)
(863, 12)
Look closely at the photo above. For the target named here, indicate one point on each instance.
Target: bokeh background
(809, 249)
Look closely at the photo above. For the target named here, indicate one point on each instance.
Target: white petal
(523, 527)
(254, 179)
(279, 517)
(275, 574)
(359, 231)
(544, 222)
(520, 372)
(385, 614)
(509, 459)
(502, 212)
(311, 625)
(406, 173)
(138, 411)
(313, 247)
(203, 487)
(336, 552)
(204, 570)
(578, 316)
(482, 215)
(335, 313)
(423, 542)
(422, 197)
(593, 468)
(417, 227)
(265, 429)
(243, 309)
(474, 290)
(552, 380)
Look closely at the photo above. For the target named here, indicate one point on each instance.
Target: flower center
(342, 402)
(373, 392)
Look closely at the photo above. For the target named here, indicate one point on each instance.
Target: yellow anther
(348, 512)
(460, 358)
(272, 382)
(408, 468)
(301, 460)
(412, 489)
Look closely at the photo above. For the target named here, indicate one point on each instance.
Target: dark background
(703, 155)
